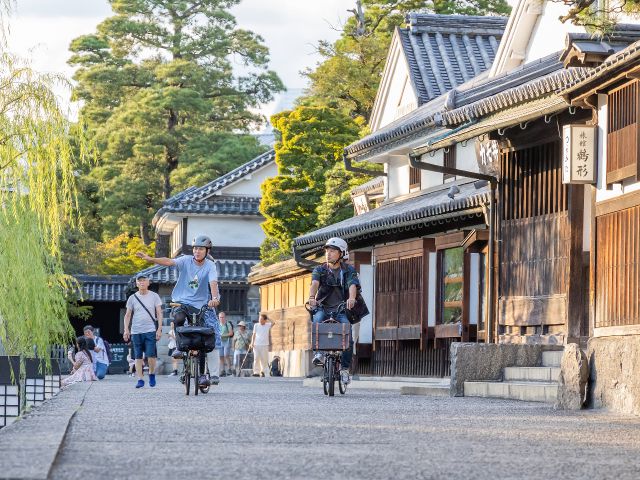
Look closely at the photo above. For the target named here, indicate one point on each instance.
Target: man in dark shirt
(333, 283)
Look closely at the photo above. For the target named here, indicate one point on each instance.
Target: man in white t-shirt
(260, 344)
(143, 324)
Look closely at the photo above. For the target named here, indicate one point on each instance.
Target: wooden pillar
(576, 305)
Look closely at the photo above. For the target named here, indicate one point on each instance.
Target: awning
(428, 208)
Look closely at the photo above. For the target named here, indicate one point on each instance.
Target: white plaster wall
(466, 157)
(549, 33)
(433, 278)
(366, 324)
(295, 363)
(227, 231)
(398, 177)
(431, 179)
(396, 96)
(250, 184)
(474, 290)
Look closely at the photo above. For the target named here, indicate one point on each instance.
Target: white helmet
(340, 244)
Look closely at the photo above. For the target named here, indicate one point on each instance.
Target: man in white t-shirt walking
(145, 329)
(260, 344)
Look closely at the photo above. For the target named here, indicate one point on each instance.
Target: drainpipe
(493, 183)
(350, 168)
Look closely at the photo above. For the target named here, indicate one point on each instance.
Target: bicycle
(192, 356)
(333, 356)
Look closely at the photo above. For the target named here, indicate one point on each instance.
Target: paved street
(275, 428)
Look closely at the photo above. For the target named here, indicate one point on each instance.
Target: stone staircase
(532, 384)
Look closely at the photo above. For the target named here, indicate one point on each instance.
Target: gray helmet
(202, 241)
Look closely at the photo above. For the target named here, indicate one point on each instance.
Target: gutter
(350, 168)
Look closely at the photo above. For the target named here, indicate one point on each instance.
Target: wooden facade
(542, 276)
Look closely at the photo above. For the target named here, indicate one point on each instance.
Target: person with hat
(196, 286)
(241, 342)
(143, 325)
(333, 283)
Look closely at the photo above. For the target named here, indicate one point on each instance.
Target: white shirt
(261, 333)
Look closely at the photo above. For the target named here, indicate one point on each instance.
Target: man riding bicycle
(197, 276)
(334, 284)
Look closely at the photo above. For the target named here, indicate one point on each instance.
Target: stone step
(552, 358)
(532, 374)
(526, 391)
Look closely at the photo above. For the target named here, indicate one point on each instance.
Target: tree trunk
(144, 232)
(171, 156)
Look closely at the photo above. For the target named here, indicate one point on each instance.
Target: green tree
(37, 202)
(349, 74)
(160, 96)
(311, 143)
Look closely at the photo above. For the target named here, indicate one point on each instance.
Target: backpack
(275, 367)
(107, 348)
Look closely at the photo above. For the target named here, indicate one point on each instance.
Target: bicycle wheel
(196, 373)
(206, 372)
(187, 375)
(331, 379)
(325, 379)
(341, 386)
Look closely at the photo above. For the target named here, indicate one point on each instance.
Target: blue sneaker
(140, 384)
(152, 379)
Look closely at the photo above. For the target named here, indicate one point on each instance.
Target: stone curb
(392, 384)
(426, 391)
(30, 445)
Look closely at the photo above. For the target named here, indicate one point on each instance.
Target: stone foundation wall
(614, 379)
(480, 362)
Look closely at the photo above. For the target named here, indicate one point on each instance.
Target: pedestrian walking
(226, 341)
(144, 328)
(82, 370)
(241, 342)
(260, 343)
(98, 351)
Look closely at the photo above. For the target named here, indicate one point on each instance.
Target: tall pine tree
(160, 99)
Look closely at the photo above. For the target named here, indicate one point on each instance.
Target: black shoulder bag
(155, 322)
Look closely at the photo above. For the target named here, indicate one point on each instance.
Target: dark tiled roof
(192, 200)
(229, 271)
(249, 167)
(373, 184)
(624, 59)
(219, 205)
(401, 215)
(103, 288)
(444, 108)
(445, 51)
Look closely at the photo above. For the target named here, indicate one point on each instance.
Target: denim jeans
(101, 370)
(319, 316)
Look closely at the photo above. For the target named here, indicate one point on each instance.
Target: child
(82, 370)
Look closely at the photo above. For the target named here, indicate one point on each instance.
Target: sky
(43, 29)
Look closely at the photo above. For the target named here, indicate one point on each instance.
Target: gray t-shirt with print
(141, 321)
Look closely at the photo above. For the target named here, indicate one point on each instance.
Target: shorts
(144, 342)
(225, 348)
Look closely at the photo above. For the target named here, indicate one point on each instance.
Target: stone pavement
(274, 428)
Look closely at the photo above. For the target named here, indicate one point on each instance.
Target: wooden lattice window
(449, 161)
(233, 300)
(452, 285)
(618, 268)
(622, 133)
(532, 182)
(414, 178)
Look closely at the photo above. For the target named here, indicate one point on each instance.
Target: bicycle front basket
(195, 338)
(330, 336)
